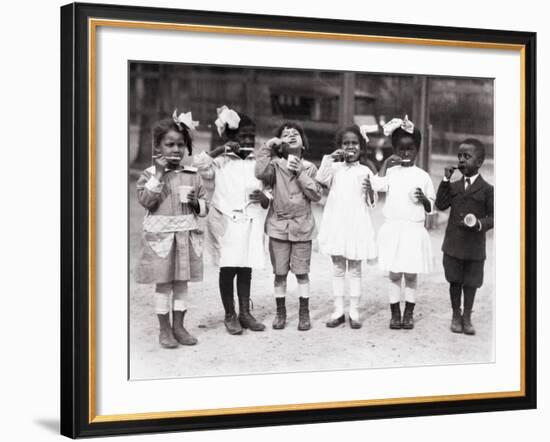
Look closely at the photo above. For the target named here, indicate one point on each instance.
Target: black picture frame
(76, 403)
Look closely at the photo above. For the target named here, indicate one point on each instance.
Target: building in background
(446, 109)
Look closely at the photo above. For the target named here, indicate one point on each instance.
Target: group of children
(269, 191)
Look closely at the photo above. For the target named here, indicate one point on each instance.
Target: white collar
(472, 178)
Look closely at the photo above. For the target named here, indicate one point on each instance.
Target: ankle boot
(280, 318)
(456, 322)
(166, 337)
(304, 322)
(232, 324)
(180, 333)
(395, 321)
(467, 325)
(245, 317)
(408, 322)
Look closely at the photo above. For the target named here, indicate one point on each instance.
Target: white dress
(403, 241)
(346, 228)
(235, 227)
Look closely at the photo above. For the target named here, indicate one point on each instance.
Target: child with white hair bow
(235, 224)
(173, 196)
(404, 247)
(346, 232)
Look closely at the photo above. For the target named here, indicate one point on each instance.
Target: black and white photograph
(293, 220)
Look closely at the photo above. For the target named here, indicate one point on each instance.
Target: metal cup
(470, 220)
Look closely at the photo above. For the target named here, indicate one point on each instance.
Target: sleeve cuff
(154, 185)
(445, 179)
(202, 208)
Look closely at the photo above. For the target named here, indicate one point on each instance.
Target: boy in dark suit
(471, 203)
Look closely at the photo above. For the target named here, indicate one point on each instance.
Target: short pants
(469, 273)
(290, 255)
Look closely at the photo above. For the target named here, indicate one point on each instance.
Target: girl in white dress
(346, 232)
(404, 247)
(235, 225)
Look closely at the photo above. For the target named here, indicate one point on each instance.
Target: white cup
(183, 192)
(291, 158)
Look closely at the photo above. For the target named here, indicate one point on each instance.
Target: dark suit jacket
(461, 241)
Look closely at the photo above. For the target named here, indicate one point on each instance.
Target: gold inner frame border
(93, 24)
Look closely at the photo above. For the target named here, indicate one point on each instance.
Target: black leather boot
(304, 322)
(456, 322)
(395, 321)
(408, 322)
(180, 333)
(232, 324)
(280, 317)
(166, 337)
(245, 317)
(469, 296)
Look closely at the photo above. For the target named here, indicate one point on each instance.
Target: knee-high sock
(280, 286)
(469, 296)
(354, 295)
(179, 300)
(303, 289)
(162, 297)
(395, 291)
(338, 285)
(410, 288)
(244, 275)
(227, 275)
(455, 291)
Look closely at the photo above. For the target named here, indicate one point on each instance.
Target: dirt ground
(321, 348)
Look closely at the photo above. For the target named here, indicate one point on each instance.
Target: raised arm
(308, 185)
(206, 163)
(149, 190)
(326, 171)
(264, 169)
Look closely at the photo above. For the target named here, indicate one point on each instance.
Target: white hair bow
(404, 124)
(363, 129)
(185, 119)
(227, 117)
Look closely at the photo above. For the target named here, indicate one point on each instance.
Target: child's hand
(337, 155)
(258, 197)
(367, 185)
(232, 146)
(161, 163)
(449, 171)
(423, 199)
(419, 195)
(274, 143)
(193, 200)
(394, 160)
(295, 165)
(369, 192)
